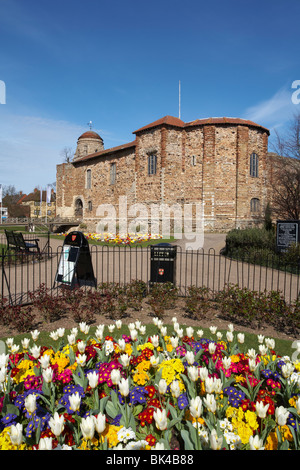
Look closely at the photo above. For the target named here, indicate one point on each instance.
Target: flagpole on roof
(179, 100)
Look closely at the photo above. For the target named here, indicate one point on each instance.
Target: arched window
(90, 205)
(254, 205)
(152, 160)
(254, 165)
(88, 179)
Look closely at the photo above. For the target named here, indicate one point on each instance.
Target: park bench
(15, 241)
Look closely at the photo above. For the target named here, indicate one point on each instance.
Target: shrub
(197, 301)
(51, 307)
(162, 297)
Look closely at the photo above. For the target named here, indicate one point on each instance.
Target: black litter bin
(163, 263)
(75, 265)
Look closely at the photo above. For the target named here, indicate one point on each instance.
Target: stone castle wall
(195, 163)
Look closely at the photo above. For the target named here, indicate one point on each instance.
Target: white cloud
(30, 148)
(274, 112)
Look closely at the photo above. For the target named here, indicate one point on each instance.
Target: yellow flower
(171, 370)
(128, 349)
(272, 441)
(110, 433)
(235, 358)
(244, 431)
(286, 433)
(61, 360)
(140, 375)
(147, 345)
(250, 417)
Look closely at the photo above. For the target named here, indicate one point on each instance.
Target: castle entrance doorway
(78, 208)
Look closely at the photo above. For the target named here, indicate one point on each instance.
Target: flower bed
(110, 391)
(121, 239)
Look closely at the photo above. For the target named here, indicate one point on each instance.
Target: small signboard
(288, 232)
(75, 264)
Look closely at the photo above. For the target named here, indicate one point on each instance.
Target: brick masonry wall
(197, 163)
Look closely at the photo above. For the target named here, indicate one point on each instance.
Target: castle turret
(89, 142)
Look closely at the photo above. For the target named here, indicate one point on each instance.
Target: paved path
(205, 267)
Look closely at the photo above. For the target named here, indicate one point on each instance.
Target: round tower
(89, 142)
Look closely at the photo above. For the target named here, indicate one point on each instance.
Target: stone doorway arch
(78, 208)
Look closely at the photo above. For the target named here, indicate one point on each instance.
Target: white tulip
(124, 387)
(71, 339)
(154, 340)
(175, 388)
(261, 409)
(93, 379)
(256, 443)
(35, 334)
(215, 441)
(160, 417)
(190, 357)
(44, 361)
(196, 407)
(100, 422)
(4, 358)
(30, 403)
(14, 348)
(60, 332)
(115, 376)
(48, 375)
(229, 336)
(45, 443)
(226, 361)
(16, 434)
(87, 427)
(210, 402)
(75, 401)
(162, 386)
(281, 415)
(193, 373)
(125, 360)
(203, 373)
(189, 331)
(35, 351)
(56, 424)
(241, 338)
(54, 335)
(81, 346)
(81, 359)
(122, 344)
(25, 343)
(84, 328)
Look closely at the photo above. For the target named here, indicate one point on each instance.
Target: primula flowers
(137, 391)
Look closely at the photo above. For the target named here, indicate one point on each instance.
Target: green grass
(282, 347)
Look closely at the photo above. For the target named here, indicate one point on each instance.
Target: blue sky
(119, 63)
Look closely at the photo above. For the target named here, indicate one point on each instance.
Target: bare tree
(286, 185)
(67, 154)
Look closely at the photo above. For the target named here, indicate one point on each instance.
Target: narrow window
(254, 165)
(90, 205)
(112, 173)
(254, 205)
(152, 164)
(193, 160)
(88, 179)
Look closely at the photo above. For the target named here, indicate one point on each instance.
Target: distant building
(38, 206)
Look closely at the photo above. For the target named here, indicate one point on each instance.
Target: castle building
(222, 163)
